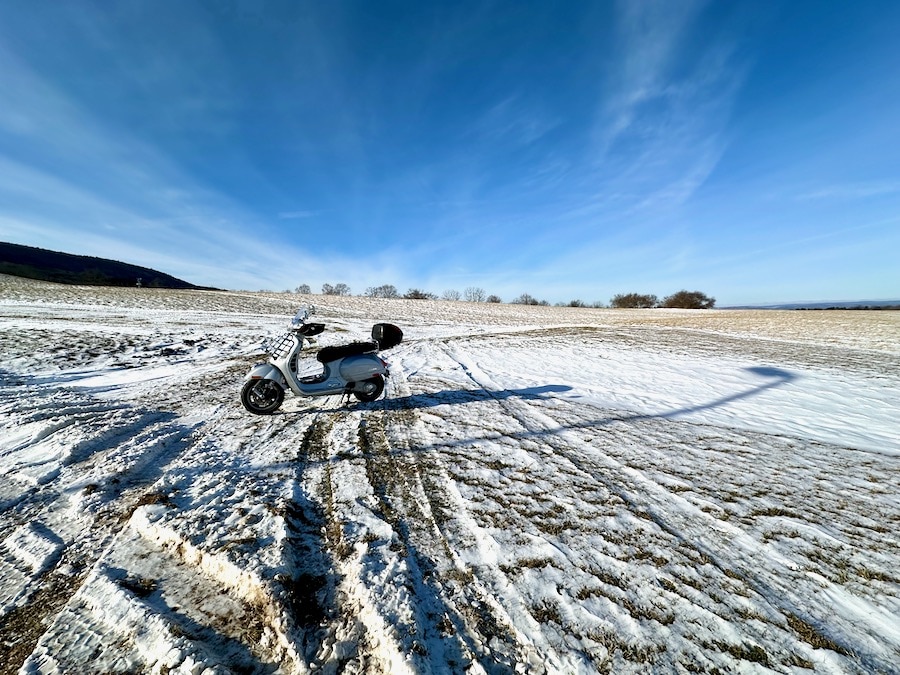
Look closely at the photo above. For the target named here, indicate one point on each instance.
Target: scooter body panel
(327, 383)
(338, 376)
(266, 371)
(362, 367)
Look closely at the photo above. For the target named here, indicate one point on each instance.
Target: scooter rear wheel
(262, 397)
(369, 389)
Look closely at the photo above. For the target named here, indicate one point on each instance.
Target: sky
(576, 150)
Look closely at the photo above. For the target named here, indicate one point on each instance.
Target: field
(541, 490)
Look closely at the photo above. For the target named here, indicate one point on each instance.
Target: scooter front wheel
(262, 397)
(369, 390)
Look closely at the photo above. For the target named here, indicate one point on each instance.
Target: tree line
(681, 299)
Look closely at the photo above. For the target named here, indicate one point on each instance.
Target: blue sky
(747, 149)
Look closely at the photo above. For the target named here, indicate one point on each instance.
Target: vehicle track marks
(692, 552)
(104, 459)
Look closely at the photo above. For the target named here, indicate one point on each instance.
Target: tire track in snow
(91, 461)
(309, 586)
(458, 620)
(224, 587)
(403, 602)
(770, 578)
(413, 480)
(700, 546)
(359, 638)
(543, 508)
(531, 507)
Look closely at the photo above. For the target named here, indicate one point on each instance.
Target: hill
(66, 268)
(854, 304)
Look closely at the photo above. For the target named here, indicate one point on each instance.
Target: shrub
(632, 301)
(416, 294)
(527, 299)
(385, 291)
(689, 300)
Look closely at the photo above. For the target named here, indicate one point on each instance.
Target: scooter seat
(329, 354)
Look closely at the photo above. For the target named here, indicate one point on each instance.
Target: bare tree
(451, 295)
(528, 299)
(474, 294)
(337, 289)
(385, 291)
(525, 299)
(303, 289)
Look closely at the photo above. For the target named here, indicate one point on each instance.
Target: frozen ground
(541, 490)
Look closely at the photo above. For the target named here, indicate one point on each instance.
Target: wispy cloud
(298, 215)
(650, 34)
(661, 124)
(514, 121)
(852, 191)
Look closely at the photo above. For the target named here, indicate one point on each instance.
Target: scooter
(352, 369)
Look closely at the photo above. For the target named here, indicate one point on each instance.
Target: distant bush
(689, 300)
(528, 299)
(337, 289)
(303, 289)
(385, 291)
(493, 298)
(416, 294)
(632, 301)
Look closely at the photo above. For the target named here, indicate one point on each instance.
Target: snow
(559, 490)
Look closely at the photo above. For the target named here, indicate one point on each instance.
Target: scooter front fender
(266, 371)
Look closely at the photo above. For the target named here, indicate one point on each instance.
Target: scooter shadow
(458, 396)
(450, 397)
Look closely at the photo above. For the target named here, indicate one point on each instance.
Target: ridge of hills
(841, 304)
(68, 268)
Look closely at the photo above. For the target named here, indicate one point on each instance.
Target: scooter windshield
(300, 317)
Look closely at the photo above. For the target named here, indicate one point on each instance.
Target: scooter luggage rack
(281, 345)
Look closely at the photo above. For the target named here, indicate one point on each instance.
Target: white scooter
(351, 369)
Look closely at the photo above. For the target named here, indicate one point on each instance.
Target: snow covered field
(541, 490)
